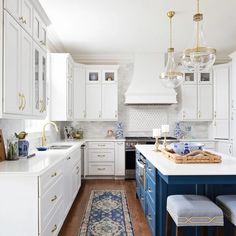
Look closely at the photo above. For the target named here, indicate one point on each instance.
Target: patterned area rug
(107, 214)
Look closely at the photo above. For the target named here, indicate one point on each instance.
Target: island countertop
(167, 167)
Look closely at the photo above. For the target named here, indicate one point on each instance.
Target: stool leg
(179, 231)
(204, 231)
(234, 230)
(219, 231)
(168, 224)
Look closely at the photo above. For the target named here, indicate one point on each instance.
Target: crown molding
(103, 58)
(54, 42)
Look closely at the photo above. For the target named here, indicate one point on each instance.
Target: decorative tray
(198, 156)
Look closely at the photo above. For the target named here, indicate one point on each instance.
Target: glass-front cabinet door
(93, 76)
(40, 82)
(190, 78)
(109, 76)
(205, 78)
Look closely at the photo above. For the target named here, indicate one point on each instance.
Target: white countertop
(167, 167)
(38, 164)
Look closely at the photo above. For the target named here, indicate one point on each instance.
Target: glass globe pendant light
(200, 57)
(171, 77)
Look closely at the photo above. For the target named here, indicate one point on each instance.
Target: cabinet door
(189, 102)
(205, 102)
(93, 102)
(221, 129)
(233, 84)
(119, 158)
(26, 72)
(12, 43)
(44, 83)
(221, 92)
(14, 8)
(224, 148)
(69, 98)
(79, 93)
(27, 14)
(43, 35)
(109, 102)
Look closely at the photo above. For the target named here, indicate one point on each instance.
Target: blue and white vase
(23, 147)
(178, 132)
(119, 130)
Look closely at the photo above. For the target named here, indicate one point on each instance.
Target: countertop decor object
(42, 149)
(2, 147)
(12, 149)
(23, 145)
(157, 135)
(171, 77)
(119, 130)
(183, 148)
(200, 57)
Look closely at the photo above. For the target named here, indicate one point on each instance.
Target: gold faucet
(43, 133)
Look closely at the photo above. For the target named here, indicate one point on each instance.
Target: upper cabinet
(22, 11)
(233, 81)
(24, 62)
(197, 97)
(221, 101)
(102, 92)
(62, 87)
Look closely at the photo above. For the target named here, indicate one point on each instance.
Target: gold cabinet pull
(21, 18)
(24, 102)
(54, 229)
(21, 101)
(54, 198)
(199, 114)
(42, 106)
(24, 21)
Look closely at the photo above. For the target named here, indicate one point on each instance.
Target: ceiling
(130, 26)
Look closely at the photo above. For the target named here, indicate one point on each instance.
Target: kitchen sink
(59, 147)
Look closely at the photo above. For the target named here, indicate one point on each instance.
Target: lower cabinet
(38, 205)
(105, 158)
(224, 147)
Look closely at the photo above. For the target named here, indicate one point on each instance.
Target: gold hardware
(54, 229)
(41, 103)
(101, 155)
(24, 100)
(54, 199)
(21, 101)
(199, 114)
(101, 168)
(53, 175)
(44, 134)
(170, 14)
(21, 18)
(24, 21)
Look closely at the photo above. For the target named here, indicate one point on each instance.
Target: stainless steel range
(130, 152)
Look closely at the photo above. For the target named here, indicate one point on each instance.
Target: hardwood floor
(72, 223)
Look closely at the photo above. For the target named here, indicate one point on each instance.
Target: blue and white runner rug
(107, 214)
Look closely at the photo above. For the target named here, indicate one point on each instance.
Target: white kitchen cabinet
(22, 11)
(221, 101)
(17, 69)
(197, 97)
(79, 92)
(109, 101)
(233, 81)
(205, 102)
(93, 102)
(61, 65)
(224, 147)
(39, 30)
(189, 102)
(119, 158)
(101, 92)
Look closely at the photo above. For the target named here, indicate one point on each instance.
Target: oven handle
(141, 165)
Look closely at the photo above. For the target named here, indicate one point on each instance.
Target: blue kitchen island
(157, 178)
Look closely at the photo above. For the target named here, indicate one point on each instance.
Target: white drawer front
(49, 178)
(55, 223)
(97, 155)
(50, 200)
(101, 168)
(101, 145)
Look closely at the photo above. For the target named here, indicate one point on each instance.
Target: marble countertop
(167, 167)
(38, 164)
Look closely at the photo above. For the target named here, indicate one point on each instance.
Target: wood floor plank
(74, 219)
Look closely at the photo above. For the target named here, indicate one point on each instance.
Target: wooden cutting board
(2, 148)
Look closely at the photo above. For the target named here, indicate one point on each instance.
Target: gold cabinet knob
(21, 101)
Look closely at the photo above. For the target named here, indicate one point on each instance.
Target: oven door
(140, 172)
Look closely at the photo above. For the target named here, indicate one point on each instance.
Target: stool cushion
(194, 210)
(228, 204)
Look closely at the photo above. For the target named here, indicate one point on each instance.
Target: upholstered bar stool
(193, 210)
(228, 204)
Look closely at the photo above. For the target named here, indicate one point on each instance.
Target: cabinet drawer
(151, 216)
(151, 170)
(151, 189)
(101, 168)
(97, 155)
(49, 201)
(142, 198)
(55, 222)
(49, 178)
(101, 145)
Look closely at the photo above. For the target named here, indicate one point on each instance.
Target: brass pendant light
(171, 77)
(200, 57)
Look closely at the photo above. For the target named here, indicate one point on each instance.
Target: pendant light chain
(170, 32)
(198, 30)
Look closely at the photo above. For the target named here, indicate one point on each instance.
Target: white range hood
(146, 87)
